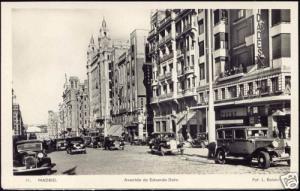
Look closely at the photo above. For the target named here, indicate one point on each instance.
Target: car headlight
(40, 155)
(275, 144)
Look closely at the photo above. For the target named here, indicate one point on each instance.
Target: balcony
(165, 39)
(166, 57)
(230, 74)
(189, 92)
(152, 32)
(189, 69)
(186, 28)
(164, 21)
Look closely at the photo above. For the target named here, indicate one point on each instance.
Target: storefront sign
(262, 39)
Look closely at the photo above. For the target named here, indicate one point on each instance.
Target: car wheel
(220, 157)
(263, 159)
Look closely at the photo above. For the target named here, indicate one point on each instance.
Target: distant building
(99, 72)
(53, 124)
(83, 102)
(129, 105)
(17, 120)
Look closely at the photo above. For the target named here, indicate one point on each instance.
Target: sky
(47, 43)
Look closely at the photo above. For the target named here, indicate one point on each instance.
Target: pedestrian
(281, 128)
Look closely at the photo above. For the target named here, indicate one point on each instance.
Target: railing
(165, 39)
(166, 57)
(165, 20)
(189, 69)
(152, 32)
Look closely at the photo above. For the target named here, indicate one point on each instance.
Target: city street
(138, 160)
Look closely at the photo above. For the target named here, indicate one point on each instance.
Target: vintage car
(97, 141)
(113, 143)
(250, 142)
(61, 144)
(29, 157)
(87, 140)
(75, 145)
(164, 143)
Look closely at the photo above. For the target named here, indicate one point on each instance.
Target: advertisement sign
(262, 38)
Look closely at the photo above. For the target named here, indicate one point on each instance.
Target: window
(232, 91)
(201, 26)
(287, 81)
(157, 126)
(240, 134)
(165, 88)
(201, 97)
(280, 15)
(192, 60)
(240, 13)
(171, 67)
(164, 126)
(228, 134)
(171, 87)
(274, 84)
(223, 93)
(216, 94)
(216, 16)
(281, 45)
(164, 70)
(241, 90)
(202, 72)
(221, 40)
(201, 48)
(264, 86)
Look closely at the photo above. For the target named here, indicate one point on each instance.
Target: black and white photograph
(102, 95)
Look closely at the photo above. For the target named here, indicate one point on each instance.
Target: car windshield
(257, 133)
(29, 147)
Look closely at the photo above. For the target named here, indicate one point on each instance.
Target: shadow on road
(71, 171)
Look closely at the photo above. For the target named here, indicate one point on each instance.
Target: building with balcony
(250, 55)
(131, 85)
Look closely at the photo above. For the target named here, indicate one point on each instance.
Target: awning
(231, 121)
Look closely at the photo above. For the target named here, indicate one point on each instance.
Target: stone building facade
(250, 55)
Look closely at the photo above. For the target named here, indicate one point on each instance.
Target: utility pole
(211, 111)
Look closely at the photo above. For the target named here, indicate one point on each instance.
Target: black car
(251, 142)
(75, 145)
(165, 142)
(113, 143)
(61, 144)
(29, 157)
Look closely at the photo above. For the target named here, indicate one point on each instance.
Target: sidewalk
(197, 154)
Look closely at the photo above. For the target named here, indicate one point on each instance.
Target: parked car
(87, 141)
(29, 157)
(164, 143)
(61, 144)
(250, 142)
(113, 143)
(75, 145)
(201, 141)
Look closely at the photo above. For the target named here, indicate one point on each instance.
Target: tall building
(129, 90)
(83, 102)
(250, 55)
(53, 124)
(17, 120)
(70, 102)
(100, 72)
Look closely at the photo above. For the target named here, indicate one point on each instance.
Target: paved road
(138, 160)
